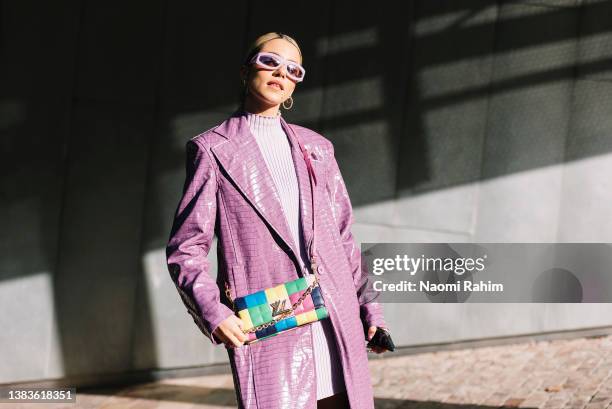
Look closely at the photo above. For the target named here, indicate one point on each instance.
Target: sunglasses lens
(269, 61)
(295, 70)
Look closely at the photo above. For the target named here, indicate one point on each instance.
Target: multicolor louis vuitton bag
(287, 306)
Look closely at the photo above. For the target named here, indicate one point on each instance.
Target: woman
(248, 182)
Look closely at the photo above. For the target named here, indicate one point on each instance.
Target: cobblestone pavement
(556, 374)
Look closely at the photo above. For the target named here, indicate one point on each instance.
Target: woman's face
(258, 80)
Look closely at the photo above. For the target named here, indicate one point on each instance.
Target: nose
(282, 70)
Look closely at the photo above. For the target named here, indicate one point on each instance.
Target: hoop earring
(288, 107)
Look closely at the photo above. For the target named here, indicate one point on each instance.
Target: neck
(262, 124)
(253, 107)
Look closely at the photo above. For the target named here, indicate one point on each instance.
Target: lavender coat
(229, 191)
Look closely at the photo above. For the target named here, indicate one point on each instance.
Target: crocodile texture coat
(229, 192)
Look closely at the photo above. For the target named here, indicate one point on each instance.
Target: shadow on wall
(99, 100)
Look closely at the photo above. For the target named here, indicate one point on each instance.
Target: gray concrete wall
(452, 121)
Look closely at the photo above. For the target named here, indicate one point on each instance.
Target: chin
(271, 99)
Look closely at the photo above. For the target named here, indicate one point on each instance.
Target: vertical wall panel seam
(140, 284)
(323, 60)
(485, 132)
(408, 69)
(65, 173)
(570, 117)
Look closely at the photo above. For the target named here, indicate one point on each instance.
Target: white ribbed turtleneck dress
(276, 150)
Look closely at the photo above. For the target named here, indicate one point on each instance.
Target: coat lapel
(244, 164)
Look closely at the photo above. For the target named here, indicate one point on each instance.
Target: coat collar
(245, 165)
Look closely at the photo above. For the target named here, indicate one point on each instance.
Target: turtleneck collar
(262, 122)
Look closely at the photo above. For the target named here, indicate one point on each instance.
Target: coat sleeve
(190, 240)
(371, 311)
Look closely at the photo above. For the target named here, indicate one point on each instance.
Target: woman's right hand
(230, 332)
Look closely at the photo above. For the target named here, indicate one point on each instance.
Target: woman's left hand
(376, 349)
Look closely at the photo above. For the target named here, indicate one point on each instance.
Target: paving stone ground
(556, 374)
(553, 374)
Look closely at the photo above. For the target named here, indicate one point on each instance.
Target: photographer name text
(455, 265)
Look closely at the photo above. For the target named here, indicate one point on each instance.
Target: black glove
(381, 338)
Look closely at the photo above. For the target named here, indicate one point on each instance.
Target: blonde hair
(257, 45)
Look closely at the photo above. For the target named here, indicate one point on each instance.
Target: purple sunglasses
(271, 61)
